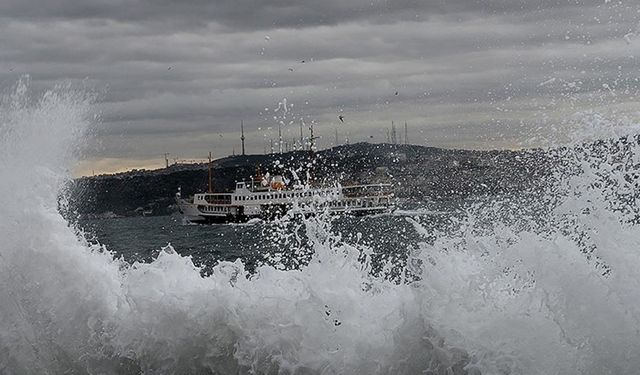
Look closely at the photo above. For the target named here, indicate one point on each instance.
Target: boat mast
(242, 137)
(210, 175)
(312, 151)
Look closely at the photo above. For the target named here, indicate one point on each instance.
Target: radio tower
(406, 133)
(242, 136)
(312, 139)
(280, 137)
(301, 135)
(394, 135)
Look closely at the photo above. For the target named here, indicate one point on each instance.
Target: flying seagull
(341, 117)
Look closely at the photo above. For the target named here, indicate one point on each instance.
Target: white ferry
(265, 198)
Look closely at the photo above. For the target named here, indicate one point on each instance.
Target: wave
(545, 283)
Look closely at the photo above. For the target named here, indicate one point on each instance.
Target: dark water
(140, 239)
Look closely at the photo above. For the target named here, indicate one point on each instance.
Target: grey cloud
(247, 14)
(181, 75)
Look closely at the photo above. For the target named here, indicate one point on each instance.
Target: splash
(70, 307)
(550, 289)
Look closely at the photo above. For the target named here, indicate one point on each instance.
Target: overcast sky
(179, 76)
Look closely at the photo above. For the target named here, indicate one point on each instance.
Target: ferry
(269, 197)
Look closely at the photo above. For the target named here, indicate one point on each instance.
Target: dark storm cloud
(249, 14)
(178, 76)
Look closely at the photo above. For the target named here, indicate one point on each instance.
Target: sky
(178, 77)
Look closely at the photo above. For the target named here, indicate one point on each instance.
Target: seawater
(140, 239)
(545, 283)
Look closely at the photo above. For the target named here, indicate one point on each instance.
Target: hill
(417, 173)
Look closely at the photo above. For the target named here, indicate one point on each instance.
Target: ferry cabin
(256, 201)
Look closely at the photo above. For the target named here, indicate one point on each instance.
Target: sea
(539, 282)
(255, 243)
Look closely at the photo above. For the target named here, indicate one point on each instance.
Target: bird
(341, 117)
(291, 69)
(396, 93)
(169, 68)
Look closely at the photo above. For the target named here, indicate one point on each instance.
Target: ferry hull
(190, 213)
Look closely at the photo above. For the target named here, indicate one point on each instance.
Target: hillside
(417, 173)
